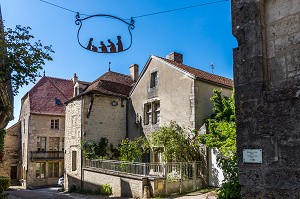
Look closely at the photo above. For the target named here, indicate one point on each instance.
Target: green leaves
(21, 57)
(132, 150)
(222, 135)
(178, 144)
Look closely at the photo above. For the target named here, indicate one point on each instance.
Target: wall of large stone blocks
(73, 137)
(267, 84)
(12, 151)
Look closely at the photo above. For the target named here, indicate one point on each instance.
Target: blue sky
(202, 34)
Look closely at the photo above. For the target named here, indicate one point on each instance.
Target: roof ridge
(57, 88)
(106, 73)
(58, 78)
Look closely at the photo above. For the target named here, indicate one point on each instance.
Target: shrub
(4, 183)
(105, 189)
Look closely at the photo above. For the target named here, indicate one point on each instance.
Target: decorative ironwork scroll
(111, 47)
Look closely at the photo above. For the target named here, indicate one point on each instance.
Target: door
(13, 172)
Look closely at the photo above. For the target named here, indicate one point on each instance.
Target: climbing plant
(132, 150)
(222, 135)
(2, 136)
(95, 150)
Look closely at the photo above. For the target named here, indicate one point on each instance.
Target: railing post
(144, 169)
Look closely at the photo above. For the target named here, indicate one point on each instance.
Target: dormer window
(57, 101)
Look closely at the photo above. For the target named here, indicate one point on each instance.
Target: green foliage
(132, 150)
(94, 150)
(2, 136)
(222, 135)
(4, 183)
(22, 58)
(105, 189)
(178, 144)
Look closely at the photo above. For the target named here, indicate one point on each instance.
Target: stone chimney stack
(176, 57)
(75, 78)
(134, 72)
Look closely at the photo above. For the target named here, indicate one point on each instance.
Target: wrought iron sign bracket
(104, 48)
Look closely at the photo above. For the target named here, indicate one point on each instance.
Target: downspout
(81, 140)
(127, 110)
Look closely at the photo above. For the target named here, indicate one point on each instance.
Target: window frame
(40, 170)
(153, 79)
(41, 143)
(54, 124)
(74, 160)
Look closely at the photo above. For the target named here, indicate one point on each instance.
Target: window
(55, 124)
(41, 143)
(147, 118)
(153, 79)
(54, 143)
(40, 169)
(74, 154)
(152, 113)
(156, 113)
(53, 169)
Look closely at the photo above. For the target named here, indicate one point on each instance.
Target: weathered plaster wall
(173, 92)
(266, 70)
(203, 105)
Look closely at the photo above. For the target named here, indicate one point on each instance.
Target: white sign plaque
(252, 155)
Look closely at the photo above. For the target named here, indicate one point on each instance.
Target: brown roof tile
(112, 83)
(45, 94)
(201, 74)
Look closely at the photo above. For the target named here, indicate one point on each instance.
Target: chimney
(75, 78)
(134, 72)
(176, 57)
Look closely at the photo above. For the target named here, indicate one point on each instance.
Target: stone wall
(40, 126)
(12, 148)
(266, 74)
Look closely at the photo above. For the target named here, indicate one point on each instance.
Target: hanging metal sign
(110, 47)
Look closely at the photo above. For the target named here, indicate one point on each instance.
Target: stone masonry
(267, 88)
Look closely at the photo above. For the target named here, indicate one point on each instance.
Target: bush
(4, 183)
(105, 189)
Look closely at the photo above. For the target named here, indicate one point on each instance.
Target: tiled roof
(49, 94)
(112, 83)
(201, 74)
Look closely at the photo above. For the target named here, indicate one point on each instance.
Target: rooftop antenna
(109, 66)
(212, 65)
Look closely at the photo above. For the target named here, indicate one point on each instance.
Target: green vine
(2, 136)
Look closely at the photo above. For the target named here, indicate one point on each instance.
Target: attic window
(57, 101)
(153, 80)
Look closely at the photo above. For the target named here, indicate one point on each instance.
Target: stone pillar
(267, 89)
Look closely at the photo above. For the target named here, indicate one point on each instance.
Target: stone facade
(91, 115)
(266, 71)
(10, 165)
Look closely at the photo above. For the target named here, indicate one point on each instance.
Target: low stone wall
(122, 184)
(183, 186)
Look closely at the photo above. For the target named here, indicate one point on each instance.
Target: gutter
(127, 111)
(81, 140)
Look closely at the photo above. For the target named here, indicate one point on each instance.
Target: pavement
(17, 192)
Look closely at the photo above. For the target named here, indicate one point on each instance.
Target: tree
(132, 150)
(222, 135)
(21, 58)
(179, 145)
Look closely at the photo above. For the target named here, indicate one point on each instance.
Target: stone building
(10, 166)
(42, 124)
(267, 88)
(97, 110)
(168, 90)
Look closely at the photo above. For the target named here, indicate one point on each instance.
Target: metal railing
(37, 155)
(173, 171)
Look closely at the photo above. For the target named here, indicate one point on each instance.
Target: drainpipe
(127, 110)
(81, 139)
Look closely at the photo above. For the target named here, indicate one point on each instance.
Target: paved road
(52, 192)
(45, 193)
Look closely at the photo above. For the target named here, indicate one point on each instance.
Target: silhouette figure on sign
(120, 45)
(89, 47)
(112, 46)
(103, 47)
(94, 48)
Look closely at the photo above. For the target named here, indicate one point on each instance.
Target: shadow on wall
(125, 189)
